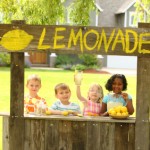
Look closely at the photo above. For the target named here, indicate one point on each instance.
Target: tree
(142, 10)
(47, 12)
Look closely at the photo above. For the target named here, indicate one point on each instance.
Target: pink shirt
(92, 107)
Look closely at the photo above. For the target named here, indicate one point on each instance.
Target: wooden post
(16, 126)
(142, 131)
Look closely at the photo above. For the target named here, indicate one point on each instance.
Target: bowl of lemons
(118, 112)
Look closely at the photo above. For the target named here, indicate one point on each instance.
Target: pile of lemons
(118, 111)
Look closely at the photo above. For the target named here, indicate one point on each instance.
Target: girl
(32, 99)
(92, 104)
(117, 83)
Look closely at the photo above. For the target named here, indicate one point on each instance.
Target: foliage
(88, 59)
(79, 11)
(64, 61)
(49, 12)
(4, 59)
(142, 10)
(79, 67)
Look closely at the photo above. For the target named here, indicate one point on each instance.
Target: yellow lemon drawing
(16, 40)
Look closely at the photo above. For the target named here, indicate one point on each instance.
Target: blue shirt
(113, 98)
(59, 106)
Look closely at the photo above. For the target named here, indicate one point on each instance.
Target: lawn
(49, 79)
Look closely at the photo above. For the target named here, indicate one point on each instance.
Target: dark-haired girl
(116, 84)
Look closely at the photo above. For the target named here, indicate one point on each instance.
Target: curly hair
(110, 81)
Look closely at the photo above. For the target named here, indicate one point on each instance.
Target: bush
(79, 67)
(80, 62)
(64, 61)
(88, 59)
(4, 59)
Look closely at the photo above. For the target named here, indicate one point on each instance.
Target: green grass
(49, 79)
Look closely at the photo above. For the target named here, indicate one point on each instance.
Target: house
(118, 13)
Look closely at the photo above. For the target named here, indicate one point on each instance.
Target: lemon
(118, 114)
(80, 115)
(110, 110)
(124, 114)
(113, 112)
(48, 112)
(117, 109)
(65, 113)
(123, 109)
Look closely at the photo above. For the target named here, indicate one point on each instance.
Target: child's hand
(125, 96)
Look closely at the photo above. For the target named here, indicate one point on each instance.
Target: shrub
(88, 59)
(4, 59)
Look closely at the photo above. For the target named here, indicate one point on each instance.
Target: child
(32, 100)
(63, 94)
(92, 104)
(117, 83)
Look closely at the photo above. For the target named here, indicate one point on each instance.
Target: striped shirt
(59, 106)
(92, 107)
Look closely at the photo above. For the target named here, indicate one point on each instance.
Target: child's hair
(100, 90)
(34, 77)
(110, 81)
(61, 86)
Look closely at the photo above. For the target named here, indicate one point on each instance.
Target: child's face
(33, 86)
(63, 95)
(117, 86)
(94, 94)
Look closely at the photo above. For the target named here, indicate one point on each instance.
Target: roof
(97, 4)
(125, 6)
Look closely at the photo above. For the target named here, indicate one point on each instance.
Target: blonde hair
(33, 77)
(100, 90)
(61, 86)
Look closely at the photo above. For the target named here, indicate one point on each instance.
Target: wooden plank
(16, 125)
(107, 136)
(131, 137)
(75, 39)
(5, 133)
(65, 140)
(17, 85)
(27, 135)
(36, 135)
(16, 133)
(51, 135)
(84, 118)
(121, 136)
(79, 135)
(142, 139)
(93, 135)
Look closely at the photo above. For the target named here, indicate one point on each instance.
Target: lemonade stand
(48, 132)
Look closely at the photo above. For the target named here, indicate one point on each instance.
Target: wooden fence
(74, 133)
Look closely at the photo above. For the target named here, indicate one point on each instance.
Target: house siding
(108, 18)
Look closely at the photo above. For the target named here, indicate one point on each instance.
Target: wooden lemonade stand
(27, 132)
